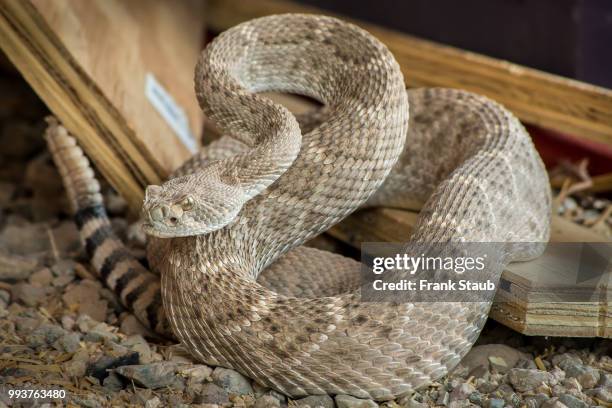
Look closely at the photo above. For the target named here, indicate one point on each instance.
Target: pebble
(316, 401)
(443, 398)
(139, 344)
(16, 267)
(231, 381)
(498, 356)
(154, 376)
(476, 398)
(29, 294)
(77, 366)
(267, 401)
(199, 372)
(524, 380)
(588, 377)
(495, 403)
(98, 335)
(5, 298)
(46, 334)
(41, 277)
(605, 380)
(553, 403)
(100, 368)
(113, 382)
(462, 392)
(68, 322)
(154, 402)
(130, 325)
(572, 402)
(212, 394)
(84, 296)
(346, 401)
(69, 342)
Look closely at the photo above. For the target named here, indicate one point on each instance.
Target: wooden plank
(88, 61)
(536, 97)
(528, 297)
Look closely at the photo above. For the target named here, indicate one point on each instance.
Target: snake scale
(238, 288)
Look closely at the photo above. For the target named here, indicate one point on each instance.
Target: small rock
(231, 381)
(572, 402)
(130, 325)
(513, 399)
(316, 401)
(156, 375)
(536, 401)
(412, 403)
(605, 380)
(346, 401)
(481, 356)
(65, 267)
(77, 366)
(495, 403)
(524, 380)
(113, 382)
(572, 384)
(86, 323)
(488, 387)
(153, 403)
(41, 277)
(561, 359)
(21, 237)
(553, 403)
(29, 294)
(212, 394)
(199, 373)
(462, 392)
(499, 364)
(46, 334)
(62, 281)
(101, 332)
(85, 297)
(443, 399)
(68, 322)
(69, 342)
(15, 267)
(25, 325)
(476, 398)
(100, 368)
(267, 401)
(557, 374)
(139, 344)
(588, 377)
(602, 393)
(5, 298)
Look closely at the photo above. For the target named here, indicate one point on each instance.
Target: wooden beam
(88, 61)
(536, 97)
(527, 299)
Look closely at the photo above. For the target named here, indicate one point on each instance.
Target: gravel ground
(59, 328)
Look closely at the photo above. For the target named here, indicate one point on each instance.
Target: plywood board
(89, 61)
(536, 97)
(539, 297)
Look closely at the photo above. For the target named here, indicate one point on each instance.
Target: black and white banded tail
(137, 288)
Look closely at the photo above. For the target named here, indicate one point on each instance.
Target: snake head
(195, 204)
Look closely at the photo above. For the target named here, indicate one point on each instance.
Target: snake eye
(187, 203)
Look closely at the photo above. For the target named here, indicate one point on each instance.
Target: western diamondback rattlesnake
(239, 290)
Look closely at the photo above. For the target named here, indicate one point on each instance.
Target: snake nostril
(173, 220)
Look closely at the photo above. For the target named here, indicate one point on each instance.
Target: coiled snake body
(239, 290)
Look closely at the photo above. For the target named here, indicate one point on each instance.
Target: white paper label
(172, 113)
